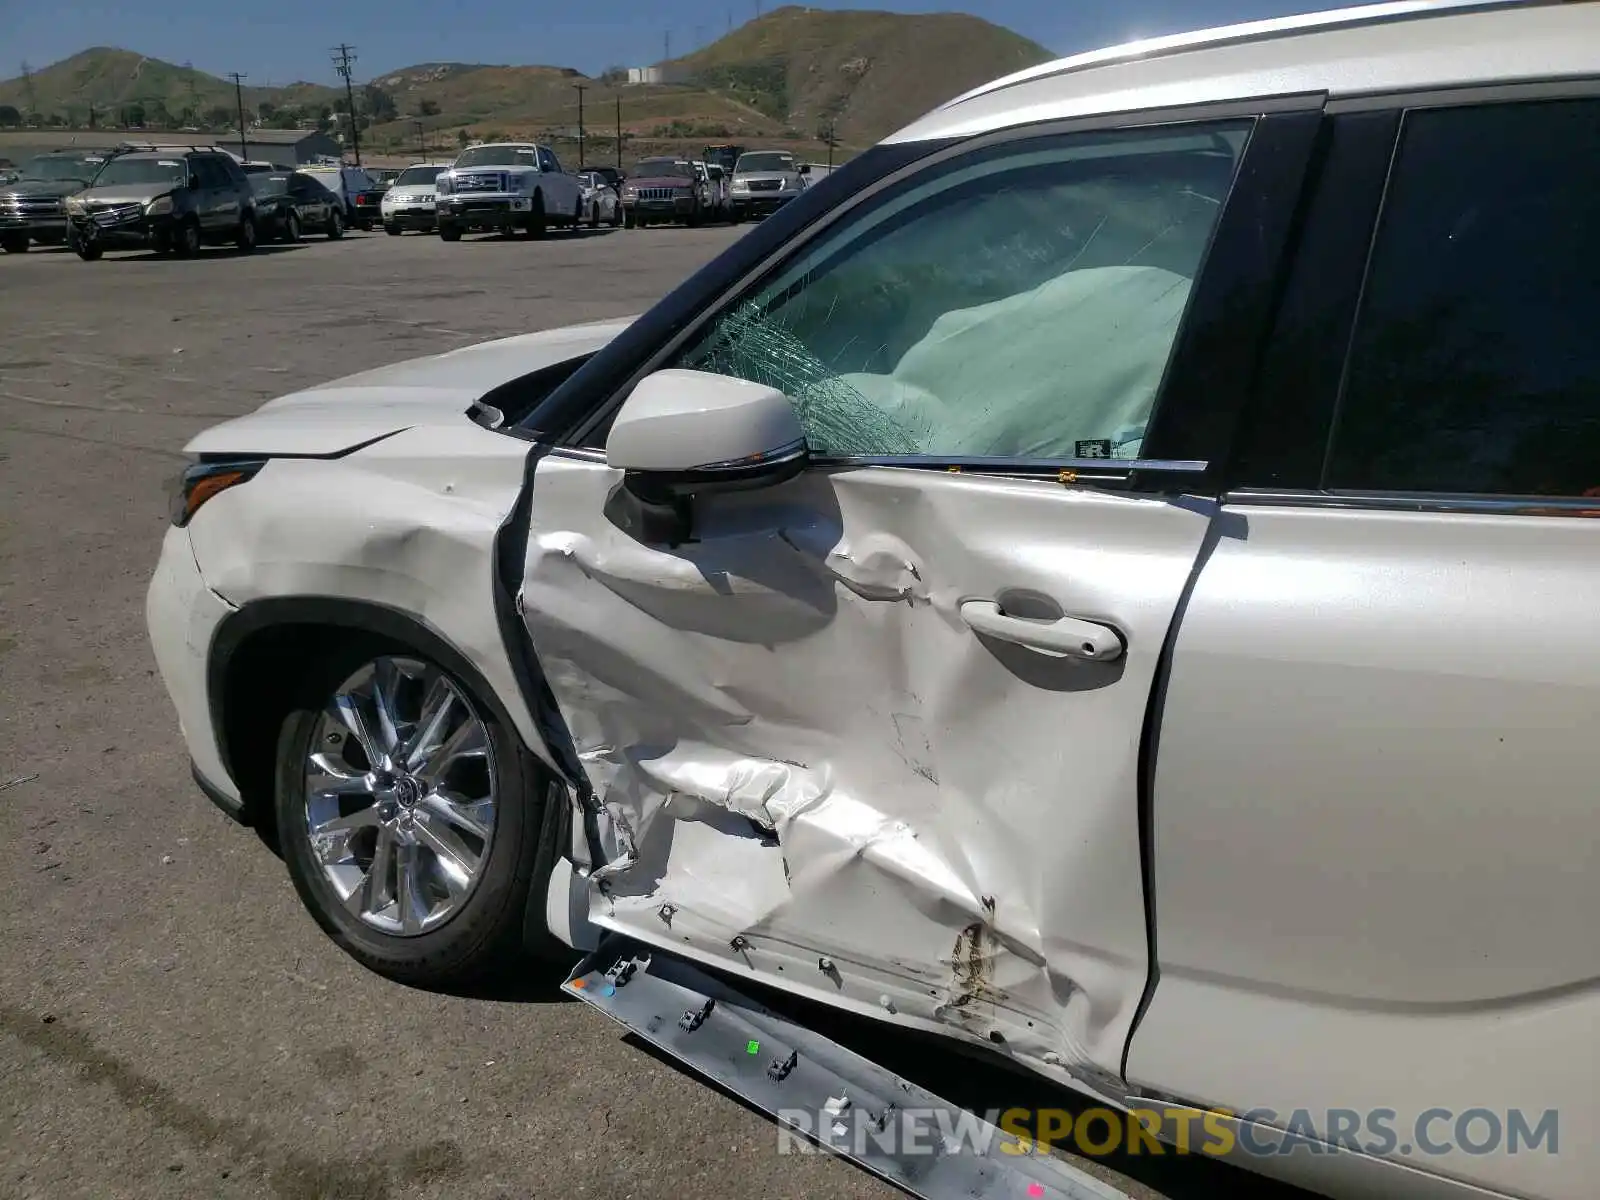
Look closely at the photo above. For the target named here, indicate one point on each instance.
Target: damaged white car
(1049, 587)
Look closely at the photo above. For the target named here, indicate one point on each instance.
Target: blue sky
(286, 40)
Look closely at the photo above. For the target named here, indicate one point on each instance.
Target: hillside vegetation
(784, 78)
(869, 72)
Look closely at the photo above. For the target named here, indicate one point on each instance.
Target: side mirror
(805, 168)
(683, 434)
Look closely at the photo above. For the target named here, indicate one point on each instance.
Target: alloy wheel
(400, 799)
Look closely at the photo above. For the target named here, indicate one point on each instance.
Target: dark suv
(32, 206)
(171, 200)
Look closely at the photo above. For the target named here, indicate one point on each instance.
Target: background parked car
(360, 194)
(721, 193)
(412, 201)
(764, 181)
(33, 207)
(613, 177)
(601, 204)
(171, 201)
(663, 189)
(290, 203)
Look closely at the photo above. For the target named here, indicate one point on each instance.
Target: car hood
(358, 409)
(43, 187)
(127, 193)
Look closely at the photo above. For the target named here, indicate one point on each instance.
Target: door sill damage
(819, 1092)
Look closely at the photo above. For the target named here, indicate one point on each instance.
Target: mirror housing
(805, 168)
(682, 434)
(694, 431)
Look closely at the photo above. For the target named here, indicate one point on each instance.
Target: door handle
(1087, 640)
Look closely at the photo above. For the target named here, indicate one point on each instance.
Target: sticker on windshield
(168, 162)
(1092, 448)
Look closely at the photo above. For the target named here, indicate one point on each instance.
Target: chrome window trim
(1578, 87)
(1089, 469)
(1015, 466)
(1419, 502)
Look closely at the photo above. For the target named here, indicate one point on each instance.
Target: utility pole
(27, 87)
(91, 115)
(581, 88)
(422, 142)
(619, 133)
(344, 60)
(828, 134)
(238, 95)
(667, 39)
(194, 94)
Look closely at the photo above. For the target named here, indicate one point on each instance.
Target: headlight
(75, 206)
(739, 185)
(630, 192)
(199, 482)
(158, 207)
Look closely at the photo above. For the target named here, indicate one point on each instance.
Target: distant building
(646, 75)
(286, 147)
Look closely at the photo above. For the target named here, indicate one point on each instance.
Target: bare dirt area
(171, 1022)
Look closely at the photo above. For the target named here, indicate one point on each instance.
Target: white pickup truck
(506, 186)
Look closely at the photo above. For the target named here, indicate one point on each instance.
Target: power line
(238, 95)
(344, 60)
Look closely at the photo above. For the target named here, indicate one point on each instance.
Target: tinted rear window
(1476, 363)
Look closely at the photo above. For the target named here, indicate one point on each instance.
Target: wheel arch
(251, 684)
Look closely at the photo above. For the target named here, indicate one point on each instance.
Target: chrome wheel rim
(400, 800)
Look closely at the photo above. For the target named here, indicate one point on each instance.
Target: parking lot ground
(171, 1022)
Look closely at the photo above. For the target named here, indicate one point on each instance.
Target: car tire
(392, 229)
(449, 231)
(14, 243)
(616, 216)
(291, 228)
(538, 224)
(187, 242)
(421, 867)
(335, 226)
(594, 216)
(245, 237)
(629, 220)
(88, 251)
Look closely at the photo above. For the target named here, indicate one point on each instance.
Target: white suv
(411, 200)
(1106, 578)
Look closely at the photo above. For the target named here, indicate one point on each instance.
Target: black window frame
(1285, 445)
(1210, 370)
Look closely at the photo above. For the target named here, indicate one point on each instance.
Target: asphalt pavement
(171, 1022)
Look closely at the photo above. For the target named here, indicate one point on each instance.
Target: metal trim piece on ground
(778, 1066)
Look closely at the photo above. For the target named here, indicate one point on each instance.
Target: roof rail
(1249, 31)
(145, 147)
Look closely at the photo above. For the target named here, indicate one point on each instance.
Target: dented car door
(874, 733)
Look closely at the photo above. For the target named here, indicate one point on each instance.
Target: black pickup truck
(33, 206)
